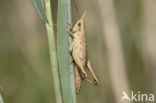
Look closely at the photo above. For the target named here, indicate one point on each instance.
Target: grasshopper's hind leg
(78, 62)
(92, 72)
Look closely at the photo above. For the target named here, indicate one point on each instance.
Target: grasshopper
(79, 53)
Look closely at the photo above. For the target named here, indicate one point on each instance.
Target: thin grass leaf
(1, 99)
(47, 16)
(39, 6)
(63, 44)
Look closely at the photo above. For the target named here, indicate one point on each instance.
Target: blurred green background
(121, 38)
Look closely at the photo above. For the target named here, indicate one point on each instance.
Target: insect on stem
(79, 53)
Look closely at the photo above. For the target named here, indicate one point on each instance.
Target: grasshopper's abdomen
(77, 79)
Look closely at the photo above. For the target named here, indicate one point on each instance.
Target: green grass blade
(39, 6)
(47, 16)
(1, 99)
(53, 54)
(63, 44)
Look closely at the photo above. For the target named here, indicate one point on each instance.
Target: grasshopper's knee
(84, 75)
(96, 82)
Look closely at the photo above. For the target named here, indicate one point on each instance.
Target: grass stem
(52, 51)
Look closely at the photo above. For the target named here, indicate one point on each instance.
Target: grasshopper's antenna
(76, 7)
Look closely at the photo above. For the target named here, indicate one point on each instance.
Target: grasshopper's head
(80, 25)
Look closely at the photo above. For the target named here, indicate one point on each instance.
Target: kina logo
(137, 97)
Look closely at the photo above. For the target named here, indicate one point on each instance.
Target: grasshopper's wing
(78, 62)
(39, 6)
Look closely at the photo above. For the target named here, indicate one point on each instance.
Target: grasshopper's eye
(79, 24)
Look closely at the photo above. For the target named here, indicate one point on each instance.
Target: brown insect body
(79, 53)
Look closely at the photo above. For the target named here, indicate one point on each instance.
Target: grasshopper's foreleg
(69, 31)
(92, 72)
(78, 62)
(71, 34)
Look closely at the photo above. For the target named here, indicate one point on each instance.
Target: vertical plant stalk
(114, 48)
(52, 51)
(63, 44)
